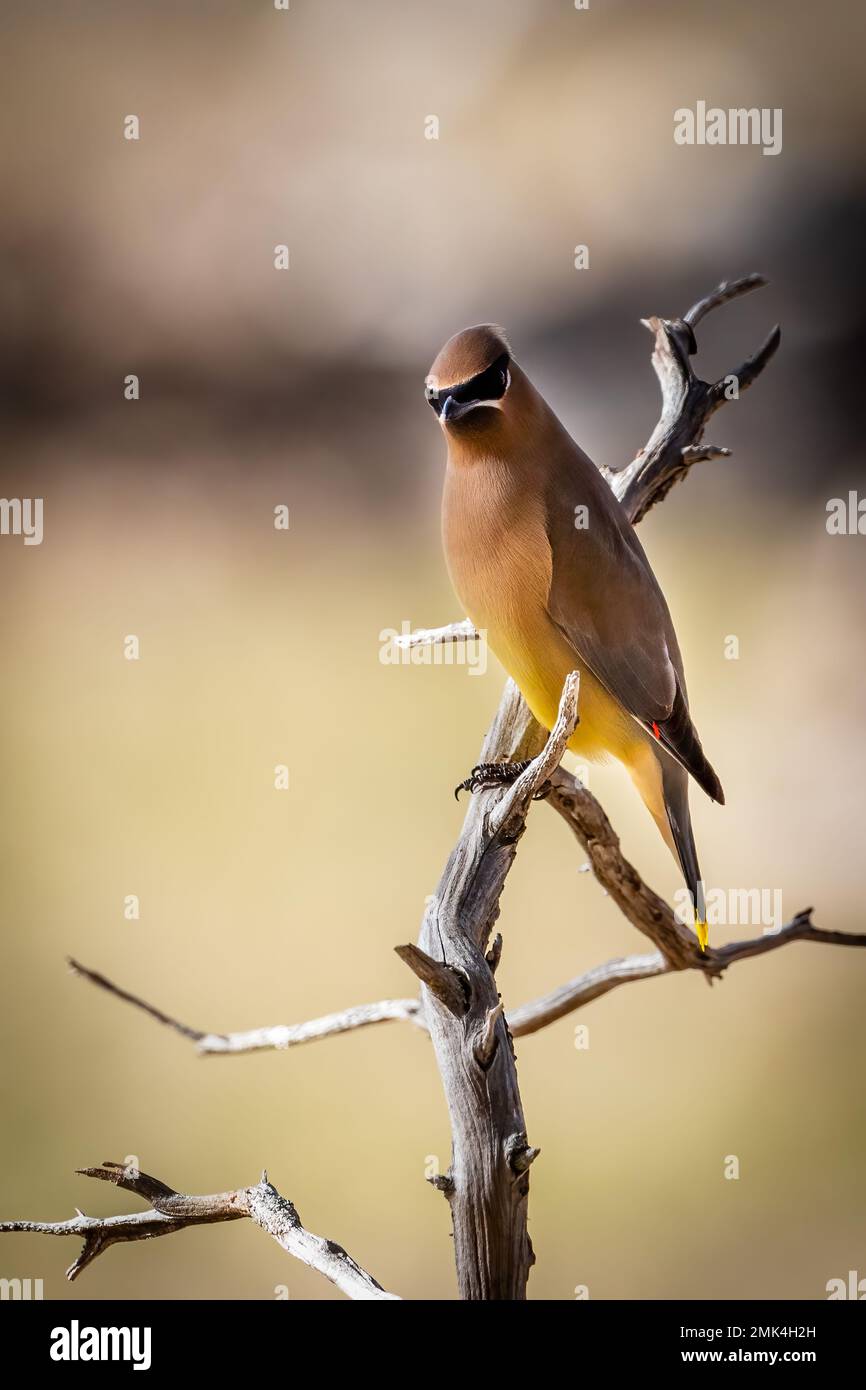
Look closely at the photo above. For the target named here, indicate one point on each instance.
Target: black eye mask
(488, 385)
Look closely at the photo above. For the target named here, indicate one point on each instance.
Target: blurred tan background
(261, 647)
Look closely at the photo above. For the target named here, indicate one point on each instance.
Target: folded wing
(606, 601)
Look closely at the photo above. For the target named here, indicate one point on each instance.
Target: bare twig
(172, 1211)
(547, 1008)
(526, 1018)
(644, 909)
(464, 631)
(283, 1036)
(510, 813)
(800, 929)
(441, 979)
(722, 294)
(538, 1013)
(687, 402)
(486, 1039)
(110, 987)
(279, 1036)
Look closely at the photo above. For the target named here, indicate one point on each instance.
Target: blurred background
(261, 647)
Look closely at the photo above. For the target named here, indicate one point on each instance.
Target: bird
(545, 560)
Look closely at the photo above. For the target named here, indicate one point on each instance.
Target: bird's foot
(485, 775)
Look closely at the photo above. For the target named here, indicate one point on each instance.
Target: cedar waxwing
(543, 557)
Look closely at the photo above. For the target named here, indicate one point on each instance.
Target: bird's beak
(453, 410)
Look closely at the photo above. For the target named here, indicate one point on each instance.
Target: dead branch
(439, 978)
(172, 1211)
(525, 1018)
(547, 1008)
(649, 913)
(464, 631)
(538, 1013)
(488, 1183)
(280, 1036)
(687, 401)
(643, 908)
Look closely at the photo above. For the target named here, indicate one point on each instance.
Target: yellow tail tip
(703, 933)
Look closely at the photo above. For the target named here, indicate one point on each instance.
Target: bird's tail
(679, 737)
(664, 787)
(676, 793)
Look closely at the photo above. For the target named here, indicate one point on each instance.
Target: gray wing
(606, 601)
(604, 596)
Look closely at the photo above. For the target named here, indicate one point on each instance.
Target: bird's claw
(486, 775)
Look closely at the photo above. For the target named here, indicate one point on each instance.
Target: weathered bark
(171, 1211)
(488, 1183)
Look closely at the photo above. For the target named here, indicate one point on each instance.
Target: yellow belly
(539, 661)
